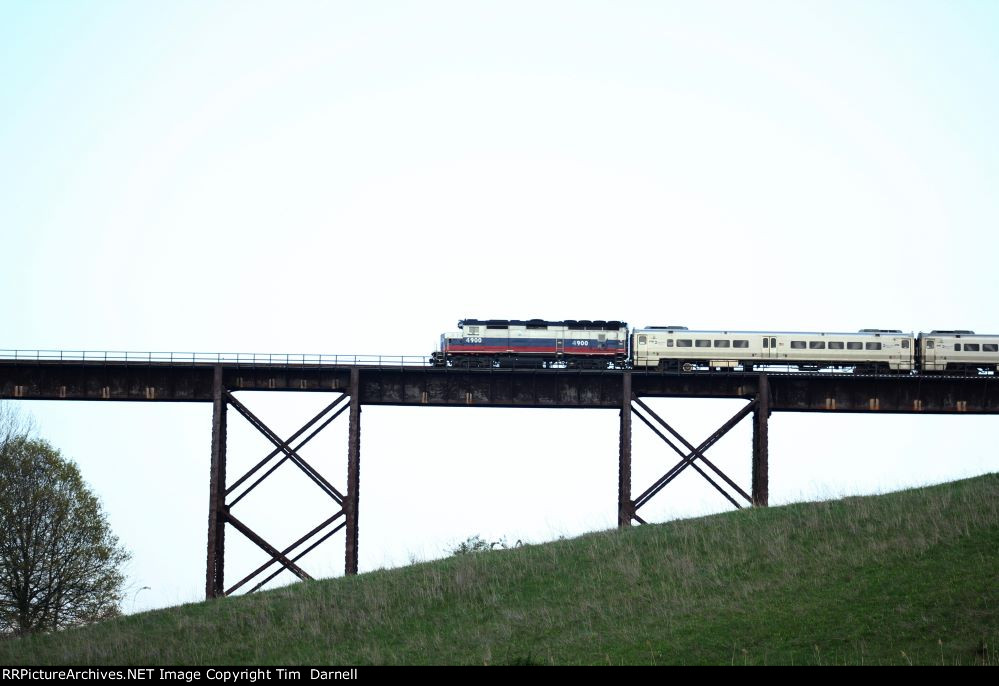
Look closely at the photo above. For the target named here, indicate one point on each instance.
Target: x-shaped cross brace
(283, 447)
(689, 457)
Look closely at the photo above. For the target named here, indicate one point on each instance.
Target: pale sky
(342, 178)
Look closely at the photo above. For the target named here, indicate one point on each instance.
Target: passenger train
(599, 344)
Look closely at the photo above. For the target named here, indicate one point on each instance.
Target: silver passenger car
(681, 349)
(958, 350)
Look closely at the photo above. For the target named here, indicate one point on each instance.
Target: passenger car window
(854, 345)
(873, 346)
(722, 344)
(817, 345)
(744, 344)
(642, 340)
(798, 345)
(957, 347)
(971, 347)
(990, 347)
(702, 343)
(835, 345)
(905, 344)
(684, 343)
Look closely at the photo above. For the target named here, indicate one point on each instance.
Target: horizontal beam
(431, 386)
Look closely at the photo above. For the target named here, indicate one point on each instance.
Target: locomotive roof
(581, 324)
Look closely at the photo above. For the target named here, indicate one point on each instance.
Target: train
(610, 344)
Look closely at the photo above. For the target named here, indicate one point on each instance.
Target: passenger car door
(769, 347)
(929, 353)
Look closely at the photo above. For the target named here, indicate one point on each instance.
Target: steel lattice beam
(698, 452)
(693, 453)
(235, 587)
(220, 512)
(283, 446)
(335, 495)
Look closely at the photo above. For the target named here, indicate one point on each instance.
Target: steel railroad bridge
(410, 381)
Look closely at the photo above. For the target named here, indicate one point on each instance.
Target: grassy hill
(909, 577)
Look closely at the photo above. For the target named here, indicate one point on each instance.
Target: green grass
(909, 577)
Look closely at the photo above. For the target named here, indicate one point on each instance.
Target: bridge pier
(625, 505)
(220, 511)
(761, 467)
(215, 568)
(693, 457)
(352, 499)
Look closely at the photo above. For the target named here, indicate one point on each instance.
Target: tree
(59, 561)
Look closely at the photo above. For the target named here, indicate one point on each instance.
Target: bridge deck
(190, 380)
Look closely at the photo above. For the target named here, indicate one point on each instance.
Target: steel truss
(631, 404)
(171, 377)
(220, 511)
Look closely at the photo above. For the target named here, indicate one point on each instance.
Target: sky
(347, 178)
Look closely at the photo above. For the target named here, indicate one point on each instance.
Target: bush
(476, 544)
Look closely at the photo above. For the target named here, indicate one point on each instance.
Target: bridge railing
(373, 361)
(249, 359)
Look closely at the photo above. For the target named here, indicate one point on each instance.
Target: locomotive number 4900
(580, 344)
(473, 339)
